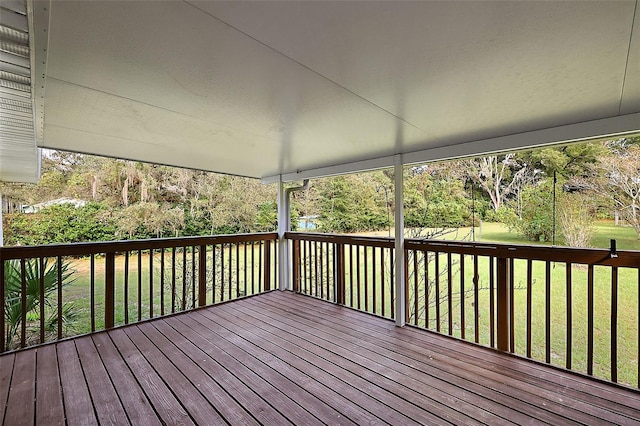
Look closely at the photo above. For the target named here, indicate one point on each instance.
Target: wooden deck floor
(282, 358)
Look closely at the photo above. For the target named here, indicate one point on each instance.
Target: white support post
(284, 263)
(399, 241)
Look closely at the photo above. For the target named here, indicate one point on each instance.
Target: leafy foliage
(13, 296)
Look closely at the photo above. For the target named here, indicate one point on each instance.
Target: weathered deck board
(282, 358)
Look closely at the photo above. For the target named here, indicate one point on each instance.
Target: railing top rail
(586, 256)
(81, 249)
(342, 239)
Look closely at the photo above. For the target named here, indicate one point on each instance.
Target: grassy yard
(149, 301)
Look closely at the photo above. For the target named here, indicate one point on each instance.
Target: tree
(536, 221)
(498, 176)
(618, 179)
(576, 218)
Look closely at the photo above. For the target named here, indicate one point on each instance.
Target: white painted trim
(283, 248)
(399, 240)
(595, 129)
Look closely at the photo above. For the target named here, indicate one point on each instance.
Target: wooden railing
(352, 271)
(556, 305)
(54, 291)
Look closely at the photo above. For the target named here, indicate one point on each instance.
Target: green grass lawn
(149, 299)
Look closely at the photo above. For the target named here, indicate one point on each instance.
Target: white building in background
(57, 202)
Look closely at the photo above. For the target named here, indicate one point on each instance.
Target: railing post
(266, 264)
(503, 304)
(338, 252)
(202, 275)
(295, 266)
(109, 289)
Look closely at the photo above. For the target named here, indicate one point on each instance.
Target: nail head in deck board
(77, 401)
(6, 371)
(490, 388)
(135, 402)
(108, 408)
(383, 394)
(164, 402)
(368, 336)
(344, 396)
(229, 408)
(567, 384)
(437, 388)
(507, 362)
(49, 409)
(252, 402)
(21, 403)
(196, 405)
(262, 385)
(268, 369)
(424, 394)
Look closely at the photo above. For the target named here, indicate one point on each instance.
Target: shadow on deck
(281, 358)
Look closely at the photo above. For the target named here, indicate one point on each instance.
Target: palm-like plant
(13, 294)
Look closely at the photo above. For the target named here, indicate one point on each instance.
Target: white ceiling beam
(595, 129)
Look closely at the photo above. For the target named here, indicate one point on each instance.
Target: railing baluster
(529, 306)
(590, 319)
(449, 294)
(476, 307)
(92, 289)
(547, 312)
(222, 272)
(415, 287)
(512, 322)
(351, 275)
(427, 292)
(237, 269)
(296, 266)
(340, 285)
(391, 284)
(253, 267)
(213, 271)
(244, 253)
(23, 303)
(373, 265)
(366, 279)
(261, 285)
(382, 274)
(59, 269)
(568, 280)
(109, 289)
(267, 266)
(637, 328)
(358, 284)
(126, 287)
(41, 302)
(202, 275)
(462, 297)
(173, 280)
(162, 281)
(492, 304)
(184, 278)
(614, 324)
(193, 276)
(139, 285)
(151, 294)
(437, 289)
(321, 273)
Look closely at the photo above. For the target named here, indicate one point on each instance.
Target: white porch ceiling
(298, 89)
